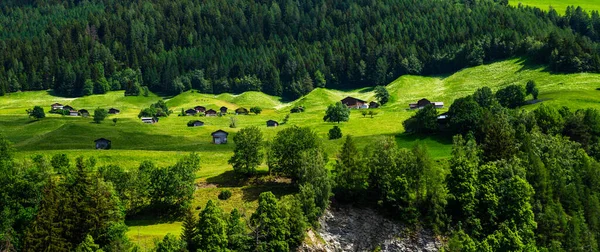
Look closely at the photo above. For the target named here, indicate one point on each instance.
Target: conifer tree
(212, 229)
(189, 230)
(88, 245)
(236, 233)
(350, 172)
(269, 229)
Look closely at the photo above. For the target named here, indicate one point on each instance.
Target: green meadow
(169, 139)
(559, 5)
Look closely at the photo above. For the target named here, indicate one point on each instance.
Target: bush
(335, 133)
(224, 195)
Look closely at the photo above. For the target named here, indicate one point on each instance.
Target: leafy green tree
(312, 171)
(88, 88)
(212, 229)
(236, 232)
(320, 79)
(465, 115)
(498, 139)
(484, 97)
(462, 181)
(548, 119)
(424, 121)
(530, 87)
(286, 149)
(247, 154)
(37, 112)
(350, 172)
(461, 242)
(382, 95)
(335, 133)
(337, 113)
(511, 96)
(256, 110)
(115, 121)
(170, 243)
(171, 189)
(269, 230)
(99, 115)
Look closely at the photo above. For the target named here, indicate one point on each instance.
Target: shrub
(224, 194)
(335, 133)
(298, 109)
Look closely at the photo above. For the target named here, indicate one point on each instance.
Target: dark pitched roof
(223, 107)
(219, 131)
(83, 111)
(272, 121)
(101, 139)
(191, 111)
(114, 109)
(211, 111)
(56, 104)
(351, 100)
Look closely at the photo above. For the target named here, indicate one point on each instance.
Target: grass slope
(170, 139)
(559, 5)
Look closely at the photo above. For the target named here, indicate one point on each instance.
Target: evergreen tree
(212, 229)
(47, 231)
(350, 172)
(189, 230)
(236, 233)
(88, 245)
(269, 230)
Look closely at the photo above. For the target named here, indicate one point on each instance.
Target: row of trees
(52, 204)
(280, 47)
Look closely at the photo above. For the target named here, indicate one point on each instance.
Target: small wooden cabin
(149, 120)
(272, 123)
(219, 137)
(191, 112)
(200, 109)
(241, 111)
(113, 111)
(67, 107)
(73, 113)
(84, 112)
(223, 110)
(196, 123)
(56, 106)
(373, 104)
(102, 144)
(210, 112)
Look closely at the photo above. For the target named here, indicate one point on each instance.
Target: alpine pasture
(170, 138)
(559, 5)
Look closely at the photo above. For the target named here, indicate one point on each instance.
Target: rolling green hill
(559, 5)
(170, 138)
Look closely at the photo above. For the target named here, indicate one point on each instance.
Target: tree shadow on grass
(530, 64)
(414, 138)
(229, 179)
(279, 190)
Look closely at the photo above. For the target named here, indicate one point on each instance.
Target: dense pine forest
(283, 47)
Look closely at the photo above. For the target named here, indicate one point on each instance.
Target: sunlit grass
(559, 5)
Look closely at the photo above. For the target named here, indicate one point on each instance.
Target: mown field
(170, 138)
(559, 5)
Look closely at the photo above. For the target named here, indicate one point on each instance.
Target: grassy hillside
(170, 138)
(559, 5)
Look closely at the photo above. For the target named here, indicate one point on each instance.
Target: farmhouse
(241, 111)
(424, 102)
(102, 144)
(219, 137)
(67, 107)
(272, 123)
(354, 103)
(373, 104)
(56, 106)
(195, 123)
(113, 111)
(149, 120)
(191, 112)
(200, 109)
(73, 113)
(223, 110)
(84, 113)
(211, 112)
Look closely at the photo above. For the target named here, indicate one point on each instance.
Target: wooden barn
(196, 123)
(424, 102)
(241, 111)
(210, 112)
(272, 123)
(114, 111)
(84, 112)
(223, 110)
(219, 137)
(200, 109)
(191, 112)
(67, 107)
(56, 106)
(373, 104)
(354, 103)
(102, 144)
